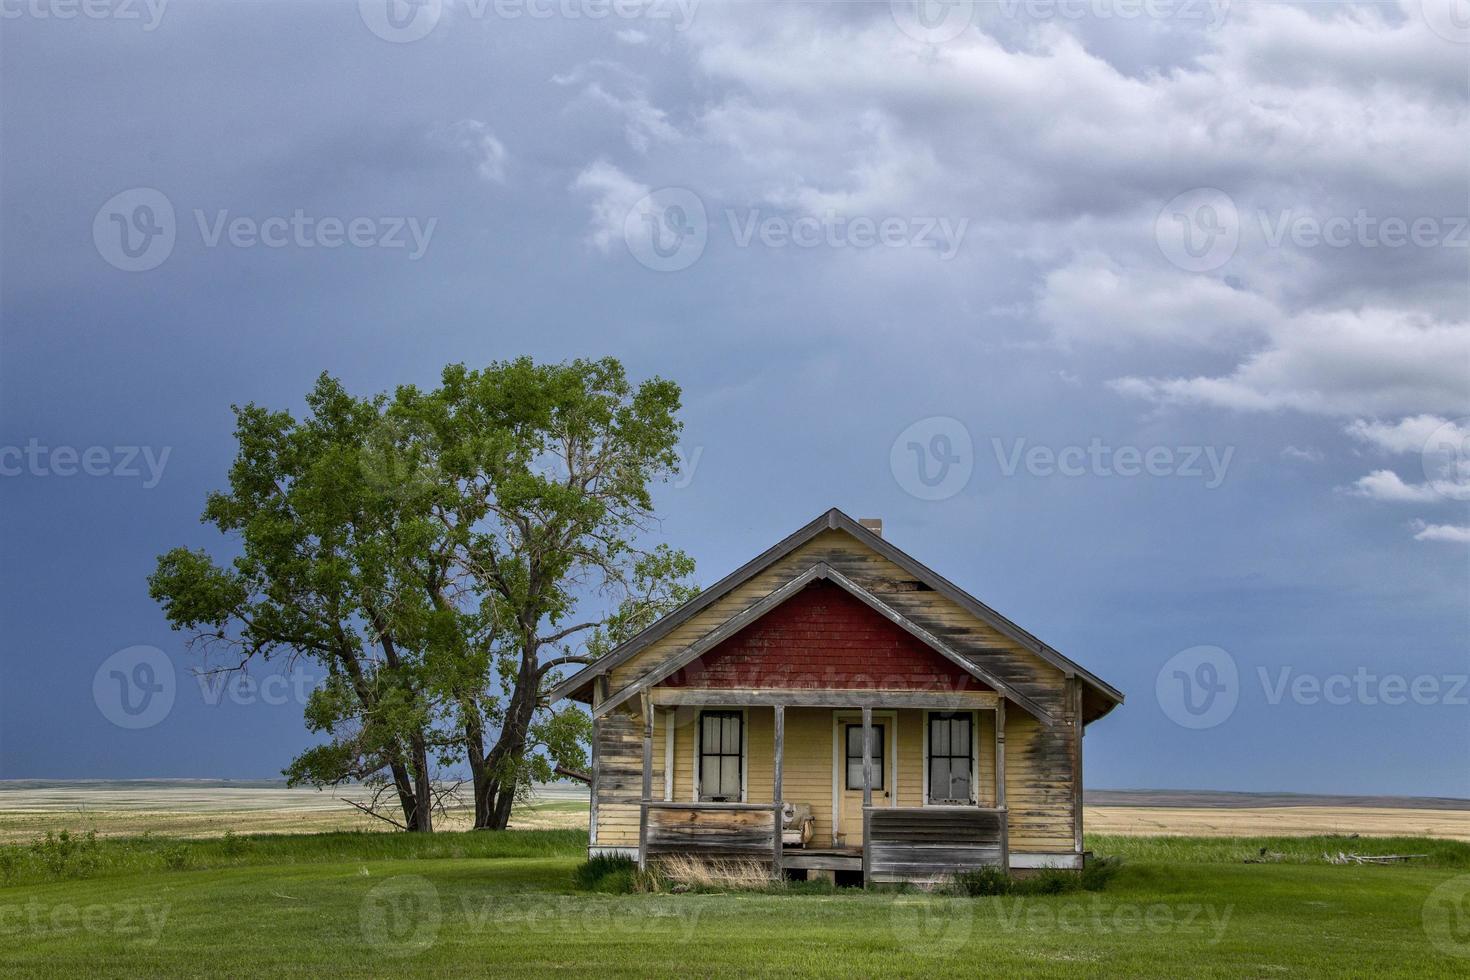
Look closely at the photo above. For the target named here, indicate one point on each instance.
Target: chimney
(874, 524)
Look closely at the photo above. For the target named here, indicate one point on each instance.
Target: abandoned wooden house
(836, 706)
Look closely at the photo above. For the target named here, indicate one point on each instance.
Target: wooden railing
(712, 830)
(903, 843)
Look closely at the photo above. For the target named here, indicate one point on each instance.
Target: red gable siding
(824, 637)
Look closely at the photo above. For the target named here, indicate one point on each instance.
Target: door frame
(888, 715)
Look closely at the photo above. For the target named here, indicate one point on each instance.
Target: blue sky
(1149, 330)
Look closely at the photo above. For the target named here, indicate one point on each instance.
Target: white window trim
(744, 747)
(974, 756)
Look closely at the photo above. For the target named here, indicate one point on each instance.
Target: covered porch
(896, 784)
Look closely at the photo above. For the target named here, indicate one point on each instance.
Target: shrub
(983, 881)
(607, 873)
(10, 861)
(1094, 877)
(176, 857)
(233, 844)
(65, 855)
(1099, 872)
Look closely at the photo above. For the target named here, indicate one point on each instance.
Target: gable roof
(819, 571)
(833, 520)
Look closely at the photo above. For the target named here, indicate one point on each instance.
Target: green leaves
(444, 554)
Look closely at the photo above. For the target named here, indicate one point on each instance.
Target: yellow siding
(1038, 793)
(807, 770)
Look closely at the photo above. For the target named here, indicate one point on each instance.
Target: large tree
(541, 477)
(445, 554)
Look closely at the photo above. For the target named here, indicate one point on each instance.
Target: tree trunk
(495, 787)
(423, 793)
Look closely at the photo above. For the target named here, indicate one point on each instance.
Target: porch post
(645, 702)
(780, 719)
(1000, 754)
(867, 760)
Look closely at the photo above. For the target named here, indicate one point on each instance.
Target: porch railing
(902, 843)
(712, 830)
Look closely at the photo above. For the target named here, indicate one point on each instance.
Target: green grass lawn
(463, 904)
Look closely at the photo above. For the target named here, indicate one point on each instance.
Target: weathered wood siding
(924, 842)
(1040, 773)
(711, 831)
(619, 776)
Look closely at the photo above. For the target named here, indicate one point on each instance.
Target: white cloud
(1368, 362)
(1094, 299)
(614, 194)
(1409, 435)
(1387, 485)
(1457, 533)
(1307, 455)
(631, 36)
(644, 123)
(481, 145)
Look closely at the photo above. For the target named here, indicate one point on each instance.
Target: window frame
(973, 753)
(880, 756)
(739, 755)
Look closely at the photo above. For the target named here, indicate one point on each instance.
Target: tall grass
(57, 856)
(1291, 850)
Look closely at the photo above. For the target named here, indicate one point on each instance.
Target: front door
(849, 774)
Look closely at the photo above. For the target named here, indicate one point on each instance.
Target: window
(719, 756)
(855, 757)
(951, 757)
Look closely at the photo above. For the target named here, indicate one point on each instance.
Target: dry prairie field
(206, 808)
